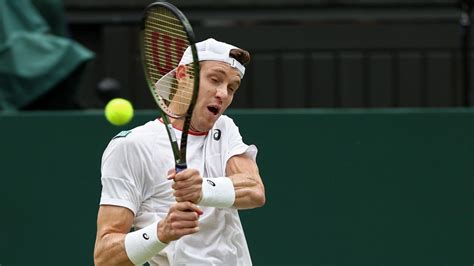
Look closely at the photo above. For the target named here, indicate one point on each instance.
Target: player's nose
(221, 91)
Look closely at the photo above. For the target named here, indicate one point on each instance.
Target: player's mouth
(214, 109)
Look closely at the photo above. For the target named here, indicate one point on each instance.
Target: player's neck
(179, 124)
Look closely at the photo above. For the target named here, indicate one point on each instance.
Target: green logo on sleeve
(122, 134)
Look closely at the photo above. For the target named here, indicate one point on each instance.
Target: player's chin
(206, 124)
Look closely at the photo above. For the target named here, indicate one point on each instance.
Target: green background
(344, 187)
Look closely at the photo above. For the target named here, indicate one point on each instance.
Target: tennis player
(191, 217)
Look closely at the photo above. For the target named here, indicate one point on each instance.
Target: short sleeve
(121, 180)
(236, 144)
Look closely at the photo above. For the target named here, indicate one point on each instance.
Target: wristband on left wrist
(217, 192)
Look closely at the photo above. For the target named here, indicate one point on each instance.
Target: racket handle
(180, 167)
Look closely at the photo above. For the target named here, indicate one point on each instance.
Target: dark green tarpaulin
(32, 59)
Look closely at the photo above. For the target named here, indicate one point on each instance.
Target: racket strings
(172, 83)
(175, 101)
(161, 52)
(162, 63)
(165, 41)
(165, 16)
(170, 30)
(155, 74)
(168, 23)
(178, 96)
(185, 94)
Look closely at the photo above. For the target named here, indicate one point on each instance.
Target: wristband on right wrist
(143, 244)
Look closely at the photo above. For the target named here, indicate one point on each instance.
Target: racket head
(171, 66)
(165, 36)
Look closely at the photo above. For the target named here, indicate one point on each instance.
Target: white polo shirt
(134, 170)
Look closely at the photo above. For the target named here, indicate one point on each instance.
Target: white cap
(211, 49)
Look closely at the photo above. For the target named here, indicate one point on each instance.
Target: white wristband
(143, 244)
(217, 192)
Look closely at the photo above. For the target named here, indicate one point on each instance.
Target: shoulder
(225, 122)
(136, 137)
(141, 132)
(225, 128)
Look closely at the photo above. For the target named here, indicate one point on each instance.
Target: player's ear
(180, 72)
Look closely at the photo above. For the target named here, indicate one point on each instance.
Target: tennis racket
(165, 35)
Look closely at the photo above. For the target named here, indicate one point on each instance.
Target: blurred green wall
(344, 187)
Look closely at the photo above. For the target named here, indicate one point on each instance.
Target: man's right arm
(114, 223)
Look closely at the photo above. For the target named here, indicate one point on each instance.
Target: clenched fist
(187, 185)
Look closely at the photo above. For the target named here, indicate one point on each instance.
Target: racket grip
(180, 167)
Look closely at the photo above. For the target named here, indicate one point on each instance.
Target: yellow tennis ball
(119, 111)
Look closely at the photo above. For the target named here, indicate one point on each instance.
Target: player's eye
(214, 80)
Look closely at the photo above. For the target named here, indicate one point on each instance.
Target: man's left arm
(248, 185)
(242, 187)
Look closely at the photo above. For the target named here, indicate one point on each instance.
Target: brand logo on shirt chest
(217, 134)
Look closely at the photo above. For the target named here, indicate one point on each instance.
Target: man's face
(218, 84)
